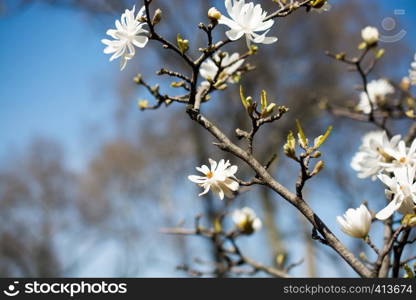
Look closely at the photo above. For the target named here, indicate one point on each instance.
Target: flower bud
(410, 114)
(143, 104)
(340, 56)
(177, 84)
(408, 272)
(316, 154)
(409, 220)
(370, 35)
(214, 14)
(379, 53)
(268, 110)
(247, 101)
(157, 17)
(183, 45)
(280, 259)
(405, 83)
(356, 222)
(317, 3)
(253, 49)
(246, 220)
(290, 147)
(318, 168)
(138, 78)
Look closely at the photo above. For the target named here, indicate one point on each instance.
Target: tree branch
(226, 145)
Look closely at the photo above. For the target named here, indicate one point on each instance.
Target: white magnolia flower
(368, 161)
(400, 156)
(246, 220)
(378, 91)
(247, 19)
(370, 35)
(412, 72)
(129, 32)
(220, 178)
(402, 192)
(230, 63)
(356, 222)
(325, 8)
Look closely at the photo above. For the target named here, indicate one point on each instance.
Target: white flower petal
(203, 169)
(213, 164)
(388, 211)
(206, 190)
(234, 34)
(257, 224)
(197, 179)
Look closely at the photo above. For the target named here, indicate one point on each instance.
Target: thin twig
(371, 244)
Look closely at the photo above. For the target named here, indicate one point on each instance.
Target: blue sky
(54, 77)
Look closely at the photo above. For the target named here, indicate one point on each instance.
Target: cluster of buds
(310, 151)
(266, 109)
(370, 38)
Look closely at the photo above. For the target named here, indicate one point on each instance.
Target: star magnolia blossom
(370, 35)
(378, 91)
(246, 220)
(247, 19)
(230, 63)
(402, 191)
(129, 32)
(356, 222)
(373, 153)
(412, 72)
(400, 156)
(220, 178)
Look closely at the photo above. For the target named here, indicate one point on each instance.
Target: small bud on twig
(318, 168)
(138, 78)
(214, 14)
(143, 104)
(290, 146)
(182, 44)
(157, 17)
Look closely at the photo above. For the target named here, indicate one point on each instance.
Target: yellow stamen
(402, 160)
(210, 175)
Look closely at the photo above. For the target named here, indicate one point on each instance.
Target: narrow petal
(197, 179)
(213, 164)
(203, 169)
(388, 211)
(234, 34)
(140, 41)
(206, 190)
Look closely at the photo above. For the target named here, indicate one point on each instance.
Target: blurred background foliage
(103, 218)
